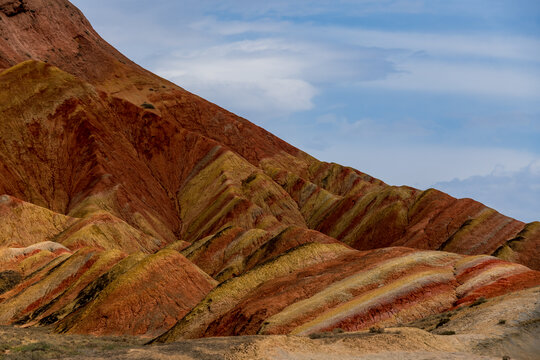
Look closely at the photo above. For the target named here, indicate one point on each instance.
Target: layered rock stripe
(343, 288)
(183, 219)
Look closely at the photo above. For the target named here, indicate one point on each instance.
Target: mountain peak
(55, 32)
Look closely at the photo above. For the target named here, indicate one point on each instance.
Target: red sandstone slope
(111, 205)
(57, 32)
(167, 147)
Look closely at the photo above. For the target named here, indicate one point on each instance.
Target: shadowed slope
(61, 147)
(523, 248)
(73, 130)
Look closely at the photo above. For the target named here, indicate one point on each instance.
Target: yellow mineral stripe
(342, 291)
(374, 298)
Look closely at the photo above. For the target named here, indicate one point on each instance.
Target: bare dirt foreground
(507, 327)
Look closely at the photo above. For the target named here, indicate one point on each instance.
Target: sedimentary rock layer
(131, 206)
(322, 287)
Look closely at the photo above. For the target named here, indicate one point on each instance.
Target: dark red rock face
(123, 190)
(13, 7)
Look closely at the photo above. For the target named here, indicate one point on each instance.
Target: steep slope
(233, 250)
(372, 215)
(169, 146)
(24, 224)
(524, 247)
(120, 218)
(105, 292)
(128, 305)
(57, 32)
(298, 281)
(47, 284)
(34, 223)
(56, 136)
(73, 129)
(502, 327)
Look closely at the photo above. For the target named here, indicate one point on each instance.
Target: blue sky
(427, 93)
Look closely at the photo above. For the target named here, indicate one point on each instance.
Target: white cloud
(277, 74)
(270, 98)
(261, 62)
(248, 76)
(366, 129)
(423, 165)
(513, 193)
(214, 26)
(283, 65)
(479, 64)
(437, 44)
(477, 79)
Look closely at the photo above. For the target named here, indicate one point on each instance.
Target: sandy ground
(505, 327)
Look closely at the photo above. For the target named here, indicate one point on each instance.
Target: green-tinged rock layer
(347, 289)
(224, 297)
(127, 305)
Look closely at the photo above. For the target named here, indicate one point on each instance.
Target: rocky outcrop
(523, 248)
(233, 250)
(13, 7)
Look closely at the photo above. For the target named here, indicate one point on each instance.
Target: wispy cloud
(254, 76)
(480, 46)
(270, 76)
(465, 78)
(303, 8)
(420, 165)
(514, 193)
(283, 65)
(309, 8)
(268, 59)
